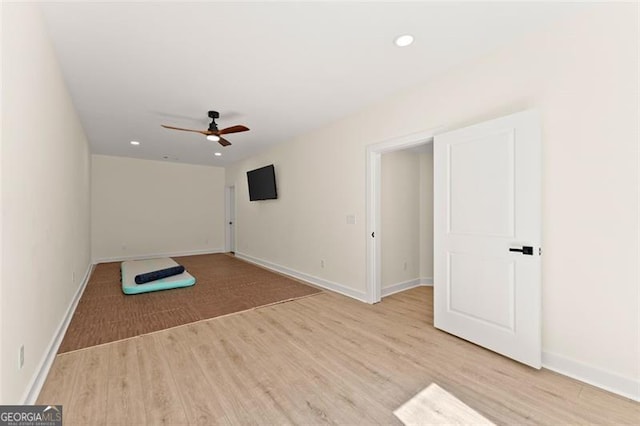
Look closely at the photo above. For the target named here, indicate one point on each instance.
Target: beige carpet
(224, 285)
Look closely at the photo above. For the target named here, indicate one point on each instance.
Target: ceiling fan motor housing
(212, 126)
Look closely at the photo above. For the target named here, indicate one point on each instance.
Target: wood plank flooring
(324, 359)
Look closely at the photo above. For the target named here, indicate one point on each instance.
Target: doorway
(406, 219)
(230, 219)
(374, 185)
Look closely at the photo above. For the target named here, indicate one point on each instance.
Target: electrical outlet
(322, 263)
(404, 266)
(124, 247)
(21, 358)
(73, 277)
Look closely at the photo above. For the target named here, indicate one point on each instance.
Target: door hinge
(539, 251)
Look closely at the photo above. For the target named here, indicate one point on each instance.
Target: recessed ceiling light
(217, 154)
(135, 143)
(213, 138)
(404, 40)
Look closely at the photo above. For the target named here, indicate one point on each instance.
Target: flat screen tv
(262, 183)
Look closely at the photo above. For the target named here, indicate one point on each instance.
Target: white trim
(627, 387)
(373, 184)
(404, 142)
(374, 260)
(406, 285)
(156, 255)
(319, 282)
(37, 381)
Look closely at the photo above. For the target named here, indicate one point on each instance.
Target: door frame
(227, 217)
(373, 208)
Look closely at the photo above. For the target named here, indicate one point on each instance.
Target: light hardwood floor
(321, 359)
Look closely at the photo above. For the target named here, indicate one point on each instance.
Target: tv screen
(262, 183)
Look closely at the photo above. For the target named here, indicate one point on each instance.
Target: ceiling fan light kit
(404, 40)
(213, 134)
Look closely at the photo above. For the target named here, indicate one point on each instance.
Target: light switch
(351, 219)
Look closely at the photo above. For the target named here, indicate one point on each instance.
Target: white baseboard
(406, 285)
(156, 255)
(427, 281)
(35, 385)
(320, 282)
(603, 379)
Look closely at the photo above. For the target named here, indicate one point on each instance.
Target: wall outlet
(404, 266)
(322, 263)
(124, 247)
(21, 357)
(351, 219)
(73, 277)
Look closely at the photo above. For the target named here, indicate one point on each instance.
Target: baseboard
(319, 282)
(406, 285)
(35, 385)
(629, 388)
(426, 281)
(155, 255)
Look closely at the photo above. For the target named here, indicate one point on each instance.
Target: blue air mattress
(130, 269)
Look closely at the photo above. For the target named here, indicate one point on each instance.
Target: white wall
(144, 208)
(582, 76)
(399, 217)
(45, 198)
(406, 229)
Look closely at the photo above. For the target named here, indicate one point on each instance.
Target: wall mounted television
(262, 183)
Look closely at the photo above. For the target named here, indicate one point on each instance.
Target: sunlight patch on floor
(435, 406)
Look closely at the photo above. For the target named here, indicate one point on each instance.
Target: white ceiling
(282, 69)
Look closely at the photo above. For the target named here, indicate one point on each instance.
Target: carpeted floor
(224, 285)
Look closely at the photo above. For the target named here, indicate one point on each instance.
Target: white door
(487, 183)
(231, 216)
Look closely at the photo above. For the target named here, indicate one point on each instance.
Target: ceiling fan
(213, 134)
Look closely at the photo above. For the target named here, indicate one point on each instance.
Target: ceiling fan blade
(224, 142)
(204, 132)
(233, 129)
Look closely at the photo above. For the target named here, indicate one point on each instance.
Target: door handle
(528, 250)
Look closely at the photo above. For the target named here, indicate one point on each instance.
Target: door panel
(492, 303)
(487, 201)
(485, 162)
